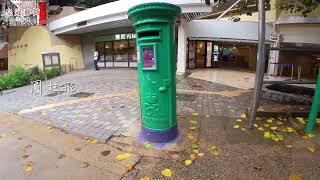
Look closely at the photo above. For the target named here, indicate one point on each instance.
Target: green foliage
(52, 72)
(305, 7)
(20, 76)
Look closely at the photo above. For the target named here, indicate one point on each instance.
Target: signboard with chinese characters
(24, 12)
(148, 57)
(116, 37)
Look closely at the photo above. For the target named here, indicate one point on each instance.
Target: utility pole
(260, 64)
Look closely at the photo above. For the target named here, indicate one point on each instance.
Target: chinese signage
(52, 87)
(24, 12)
(116, 37)
(125, 36)
(148, 57)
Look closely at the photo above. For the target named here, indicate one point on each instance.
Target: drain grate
(82, 95)
(55, 93)
(186, 97)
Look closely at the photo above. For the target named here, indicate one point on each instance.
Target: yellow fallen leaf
(279, 123)
(190, 136)
(236, 126)
(312, 149)
(166, 172)
(301, 120)
(200, 154)
(273, 128)
(269, 120)
(289, 146)
(93, 141)
(267, 135)
(310, 135)
(305, 137)
(145, 178)
(194, 146)
(261, 129)
(122, 157)
(243, 129)
(290, 129)
(195, 114)
(280, 137)
(243, 116)
(148, 145)
(266, 125)
(196, 151)
(65, 126)
(13, 133)
(100, 109)
(192, 157)
(213, 147)
(258, 118)
(193, 122)
(128, 167)
(216, 153)
(274, 138)
(28, 169)
(239, 120)
(295, 177)
(207, 116)
(255, 125)
(193, 128)
(187, 162)
(49, 127)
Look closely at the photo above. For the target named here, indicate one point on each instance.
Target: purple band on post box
(154, 136)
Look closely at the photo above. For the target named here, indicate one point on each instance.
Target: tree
(305, 7)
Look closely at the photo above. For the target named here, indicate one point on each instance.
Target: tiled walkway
(112, 104)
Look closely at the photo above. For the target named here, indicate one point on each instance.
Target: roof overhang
(114, 15)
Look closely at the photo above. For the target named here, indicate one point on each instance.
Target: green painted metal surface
(156, 53)
(315, 107)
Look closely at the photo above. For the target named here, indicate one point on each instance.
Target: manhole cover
(55, 93)
(186, 97)
(82, 94)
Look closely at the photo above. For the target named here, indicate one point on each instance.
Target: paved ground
(114, 106)
(110, 102)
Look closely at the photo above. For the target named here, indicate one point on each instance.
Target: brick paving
(112, 115)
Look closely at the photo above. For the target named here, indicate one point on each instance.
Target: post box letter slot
(148, 34)
(149, 57)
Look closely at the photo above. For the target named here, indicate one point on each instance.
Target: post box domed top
(155, 9)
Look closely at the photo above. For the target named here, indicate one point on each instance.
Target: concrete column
(182, 49)
(274, 55)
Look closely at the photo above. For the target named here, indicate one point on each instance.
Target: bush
(20, 76)
(52, 72)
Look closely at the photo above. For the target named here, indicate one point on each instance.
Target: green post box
(156, 54)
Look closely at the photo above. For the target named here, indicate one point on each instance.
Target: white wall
(225, 29)
(300, 34)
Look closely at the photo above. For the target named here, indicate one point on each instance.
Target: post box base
(159, 136)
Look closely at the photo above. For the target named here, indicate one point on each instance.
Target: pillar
(182, 49)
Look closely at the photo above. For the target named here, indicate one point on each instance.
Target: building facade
(203, 41)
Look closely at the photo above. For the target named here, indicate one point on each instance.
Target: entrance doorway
(201, 54)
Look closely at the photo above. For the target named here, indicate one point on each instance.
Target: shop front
(117, 50)
(210, 54)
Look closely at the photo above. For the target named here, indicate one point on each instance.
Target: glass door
(108, 50)
(132, 50)
(121, 53)
(201, 54)
(191, 54)
(100, 49)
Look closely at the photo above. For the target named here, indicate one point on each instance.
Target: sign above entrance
(125, 36)
(116, 37)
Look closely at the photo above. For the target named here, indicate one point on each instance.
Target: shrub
(19, 76)
(52, 72)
